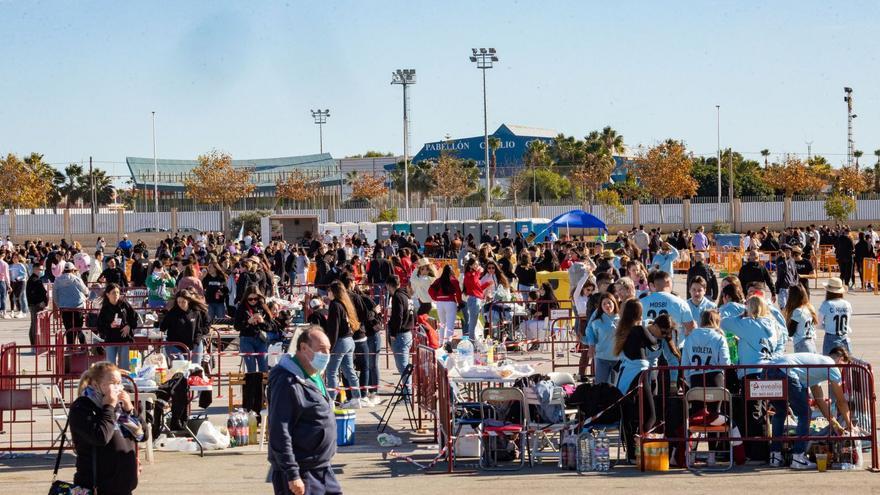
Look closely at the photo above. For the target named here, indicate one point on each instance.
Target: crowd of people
(630, 316)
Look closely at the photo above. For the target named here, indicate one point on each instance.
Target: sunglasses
(253, 299)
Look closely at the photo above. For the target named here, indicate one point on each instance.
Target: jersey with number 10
(834, 315)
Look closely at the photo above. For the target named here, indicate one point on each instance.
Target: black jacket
(705, 271)
(786, 273)
(336, 327)
(36, 291)
(379, 272)
(755, 271)
(216, 290)
(184, 327)
(401, 320)
(844, 248)
(243, 314)
(94, 433)
(245, 280)
(115, 276)
(302, 426)
(126, 315)
(863, 250)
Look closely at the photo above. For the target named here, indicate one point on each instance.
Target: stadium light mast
(484, 57)
(405, 77)
(155, 175)
(850, 144)
(320, 117)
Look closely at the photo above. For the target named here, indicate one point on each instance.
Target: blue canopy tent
(575, 219)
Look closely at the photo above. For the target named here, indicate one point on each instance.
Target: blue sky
(81, 78)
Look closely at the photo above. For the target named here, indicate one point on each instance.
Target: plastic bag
(175, 444)
(275, 352)
(212, 438)
(388, 440)
(157, 359)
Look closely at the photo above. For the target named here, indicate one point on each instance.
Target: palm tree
(858, 154)
(765, 153)
(494, 144)
(610, 139)
(71, 187)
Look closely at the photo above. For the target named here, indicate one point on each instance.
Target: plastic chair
(707, 395)
(504, 401)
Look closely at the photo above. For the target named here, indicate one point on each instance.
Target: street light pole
(155, 175)
(718, 150)
(484, 57)
(320, 117)
(405, 77)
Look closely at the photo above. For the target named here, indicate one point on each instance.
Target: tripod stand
(399, 395)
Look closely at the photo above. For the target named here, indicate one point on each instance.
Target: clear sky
(81, 78)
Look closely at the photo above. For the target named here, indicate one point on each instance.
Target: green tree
(537, 156)
(420, 180)
(47, 173)
(629, 188)
(858, 154)
(609, 139)
(839, 206)
(104, 189)
(546, 184)
(765, 153)
(71, 188)
(747, 180)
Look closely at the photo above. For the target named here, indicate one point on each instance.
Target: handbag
(63, 487)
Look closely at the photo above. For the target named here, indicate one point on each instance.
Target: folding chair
(49, 395)
(505, 401)
(708, 395)
(544, 438)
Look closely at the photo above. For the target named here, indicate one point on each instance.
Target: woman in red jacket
(446, 293)
(473, 290)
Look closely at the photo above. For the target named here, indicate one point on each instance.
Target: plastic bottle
(584, 452)
(464, 353)
(230, 429)
(568, 451)
(252, 428)
(601, 459)
(490, 352)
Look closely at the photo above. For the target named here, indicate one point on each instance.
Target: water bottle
(584, 452)
(464, 353)
(568, 451)
(601, 458)
(252, 428)
(245, 431)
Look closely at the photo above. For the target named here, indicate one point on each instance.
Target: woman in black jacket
(863, 250)
(104, 429)
(252, 319)
(342, 322)
(216, 291)
(117, 321)
(187, 323)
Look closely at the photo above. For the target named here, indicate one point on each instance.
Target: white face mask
(116, 389)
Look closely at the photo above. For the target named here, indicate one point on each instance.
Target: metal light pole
(405, 77)
(320, 117)
(484, 57)
(718, 150)
(850, 145)
(155, 175)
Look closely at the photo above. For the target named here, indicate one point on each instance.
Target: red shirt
(472, 285)
(435, 292)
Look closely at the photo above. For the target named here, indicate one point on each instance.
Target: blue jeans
(361, 356)
(782, 297)
(216, 310)
(118, 355)
(401, 344)
(4, 288)
(254, 344)
(472, 309)
(342, 358)
(374, 344)
(798, 400)
(831, 341)
(604, 370)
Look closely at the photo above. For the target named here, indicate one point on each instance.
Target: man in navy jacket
(302, 426)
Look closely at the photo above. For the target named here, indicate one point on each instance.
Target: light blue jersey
(805, 329)
(731, 309)
(810, 376)
(659, 303)
(600, 333)
(759, 340)
(704, 347)
(698, 309)
(663, 261)
(834, 316)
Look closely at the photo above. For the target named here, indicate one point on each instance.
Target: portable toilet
(369, 229)
(420, 231)
(524, 226)
(539, 225)
(453, 226)
(491, 226)
(383, 230)
(349, 229)
(402, 228)
(507, 225)
(472, 227)
(436, 227)
(331, 228)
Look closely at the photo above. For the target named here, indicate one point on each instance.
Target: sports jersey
(704, 347)
(809, 376)
(658, 303)
(759, 340)
(600, 333)
(805, 329)
(698, 309)
(663, 261)
(731, 309)
(834, 316)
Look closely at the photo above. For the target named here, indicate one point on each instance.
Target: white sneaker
(800, 461)
(21, 315)
(5, 316)
(776, 459)
(352, 404)
(376, 400)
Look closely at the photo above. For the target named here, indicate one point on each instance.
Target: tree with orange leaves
(664, 172)
(21, 186)
(215, 181)
(368, 188)
(296, 186)
(793, 176)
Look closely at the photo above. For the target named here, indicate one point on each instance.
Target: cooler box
(345, 424)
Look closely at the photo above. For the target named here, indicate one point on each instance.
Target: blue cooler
(345, 424)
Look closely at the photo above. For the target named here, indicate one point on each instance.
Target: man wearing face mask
(302, 426)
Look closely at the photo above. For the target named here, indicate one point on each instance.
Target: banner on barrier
(770, 389)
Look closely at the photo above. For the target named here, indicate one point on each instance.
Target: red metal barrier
(424, 381)
(857, 382)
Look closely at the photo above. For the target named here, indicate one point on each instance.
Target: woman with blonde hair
(342, 321)
(104, 427)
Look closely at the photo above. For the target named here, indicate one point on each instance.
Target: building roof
(265, 170)
(521, 130)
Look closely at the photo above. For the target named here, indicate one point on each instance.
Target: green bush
(251, 221)
(721, 228)
(387, 215)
